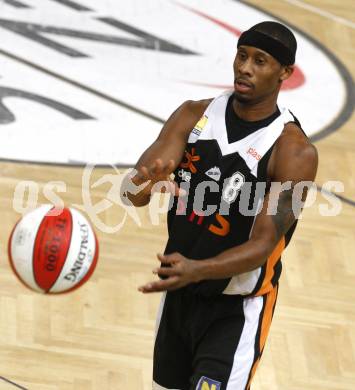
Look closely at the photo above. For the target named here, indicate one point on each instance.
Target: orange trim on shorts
(270, 264)
(265, 327)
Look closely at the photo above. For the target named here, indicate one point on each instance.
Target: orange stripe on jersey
(270, 264)
(267, 317)
(265, 327)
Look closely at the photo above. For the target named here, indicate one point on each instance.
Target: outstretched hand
(180, 272)
(158, 172)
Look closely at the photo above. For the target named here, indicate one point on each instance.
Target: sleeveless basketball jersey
(225, 183)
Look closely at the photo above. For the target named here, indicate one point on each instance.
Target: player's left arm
(294, 160)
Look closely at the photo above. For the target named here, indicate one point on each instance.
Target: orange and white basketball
(53, 251)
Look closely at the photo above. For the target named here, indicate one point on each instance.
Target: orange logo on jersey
(190, 159)
(221, 230)
(254, 153)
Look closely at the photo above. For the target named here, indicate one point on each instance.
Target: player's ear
(286, 72)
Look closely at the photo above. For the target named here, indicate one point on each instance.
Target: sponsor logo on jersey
(185, 176)
(208, 384)
(190, 159)
(214, 173)
(200, 125)
(254, 153)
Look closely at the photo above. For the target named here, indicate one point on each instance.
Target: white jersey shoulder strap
(203, 128)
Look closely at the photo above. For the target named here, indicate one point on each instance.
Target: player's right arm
(164, 155)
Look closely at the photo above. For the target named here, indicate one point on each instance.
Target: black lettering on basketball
(82, 255)
(71, 277)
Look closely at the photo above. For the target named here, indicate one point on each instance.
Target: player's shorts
(210, 343)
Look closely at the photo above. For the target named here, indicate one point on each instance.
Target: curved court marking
(321, 12)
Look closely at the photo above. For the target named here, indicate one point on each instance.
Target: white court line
(321, 12)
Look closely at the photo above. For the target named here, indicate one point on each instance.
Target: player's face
(257, 75)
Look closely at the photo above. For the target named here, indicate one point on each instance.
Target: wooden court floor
(101, 336)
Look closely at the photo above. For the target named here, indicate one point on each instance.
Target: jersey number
(233, 186)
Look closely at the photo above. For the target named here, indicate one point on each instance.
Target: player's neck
(254, 111)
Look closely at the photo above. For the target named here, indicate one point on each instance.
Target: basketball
(53, 251)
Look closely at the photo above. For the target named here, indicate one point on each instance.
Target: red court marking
(224, 25)
(295, 81)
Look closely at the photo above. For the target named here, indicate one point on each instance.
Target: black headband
(272, 46)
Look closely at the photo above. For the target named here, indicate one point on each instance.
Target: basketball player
(221, 268)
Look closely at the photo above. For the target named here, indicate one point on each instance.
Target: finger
(141, 176)
(156, 168)
(169, 168)
(166, 271)
(164, 259)
(160, 285)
